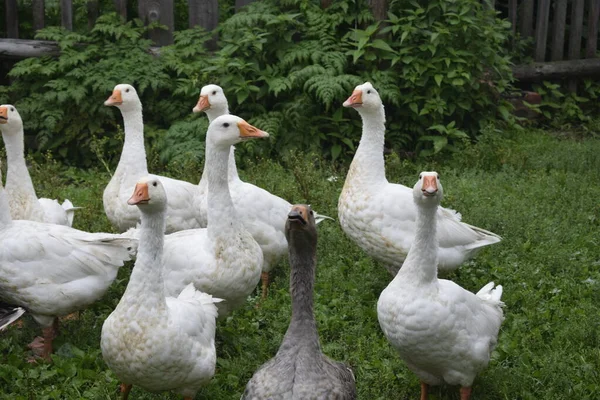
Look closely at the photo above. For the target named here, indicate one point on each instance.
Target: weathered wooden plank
(12, 18)
(38, 11)
(241, 3)
(92, 13)
(121, 8)
(66, 14)
(527, 18)
(24, 48)
(204, 13)
(592, 37)
(379, 9)
(558, 30)
(512, 15)
(326, 3)
(161, 11)
(21, 48)
(587, 67)
(541, 29)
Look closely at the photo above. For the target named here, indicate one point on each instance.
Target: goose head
(149, 195)
(212, 101)
(428, 191)
(300, 224)
(364, 98)
(10, 120)
(227, 130)
(124, 97)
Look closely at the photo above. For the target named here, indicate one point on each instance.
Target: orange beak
(248, 131)
(3, 115)
(429, 187)
(115, 99)
(140, 195)
(355, 100)
(202, 105)
(298, 213)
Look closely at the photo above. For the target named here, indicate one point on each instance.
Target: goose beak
(3, 115)
(429, 188)
(140, 195)
(115, 99)
(202, 105)
(297, 215)
(355, 100)
(248, 131)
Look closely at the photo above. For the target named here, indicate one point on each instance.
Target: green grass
(539, 191)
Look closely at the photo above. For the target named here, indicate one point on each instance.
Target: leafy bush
(286, 66)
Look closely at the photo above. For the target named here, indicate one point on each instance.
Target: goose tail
(486, 237)
(491, 294)
(69, 210)
(9, 314)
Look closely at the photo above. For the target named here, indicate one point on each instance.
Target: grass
(539, 191)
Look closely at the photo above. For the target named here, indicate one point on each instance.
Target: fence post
(92, 13)
(592, 41)
(512, 15)
(541, 29)
(37, 8)
(576, 29)
(12, 19)
(66, 14)
(161, 11)
(241, 3)
(527, 21)
(121, 8)
(558, 30)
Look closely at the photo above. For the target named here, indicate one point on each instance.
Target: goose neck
(17, 175)
(220, 210)
(133, 156)
(302, 256)
(146, 281)
(421, 262)
(368, 164)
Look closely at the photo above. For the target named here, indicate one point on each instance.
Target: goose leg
(424, 391)
(125, 389)
(265, 284)
(465, 393)
(49, 334)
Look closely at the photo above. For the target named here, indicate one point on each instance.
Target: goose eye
(311, 212)
(226, 124)
(214, 92)
(12, 109)
(368, 92)
(420, 176)
(438, 176)
(126, 90)
(154, 184)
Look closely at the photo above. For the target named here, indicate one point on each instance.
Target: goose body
(22, 199)
(267, 221)
(380, 216)
(300, 370)
(223, 259)
(156, 342)
(444, 333)
(132, 166)
(53, 270)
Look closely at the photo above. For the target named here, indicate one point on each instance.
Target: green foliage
(447, 66)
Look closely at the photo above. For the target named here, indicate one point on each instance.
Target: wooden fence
(565, 32)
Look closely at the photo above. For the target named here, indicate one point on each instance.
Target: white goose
(132, 166)
(443, 332)
(267, 221)
(152, 341)
(22, 198)
(53, 270)
(223, 259)
(380, 216)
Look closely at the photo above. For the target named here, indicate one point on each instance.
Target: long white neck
(17, 175)
(220, 211)
(146, 281)
(133, 156)
(232, 174)
(420, 266)
(5, 218)
(368, 165)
